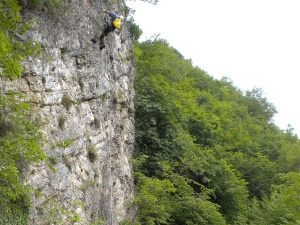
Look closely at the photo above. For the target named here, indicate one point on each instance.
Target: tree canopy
(207, 153)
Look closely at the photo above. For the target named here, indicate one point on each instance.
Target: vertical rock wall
(85, 96)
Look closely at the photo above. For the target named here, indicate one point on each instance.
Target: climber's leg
(102, 45)
(109, 28)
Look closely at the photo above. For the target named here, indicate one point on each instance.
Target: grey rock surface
(85, 96)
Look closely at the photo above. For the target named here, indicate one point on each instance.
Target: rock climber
(115, 23)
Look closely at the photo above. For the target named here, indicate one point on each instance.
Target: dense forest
(207, 153)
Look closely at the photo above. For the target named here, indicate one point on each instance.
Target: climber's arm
(112, 15)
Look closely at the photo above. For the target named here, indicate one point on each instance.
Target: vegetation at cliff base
(20, 144)
(20, 138)
(207, 153)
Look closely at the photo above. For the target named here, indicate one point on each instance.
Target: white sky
(256, 43)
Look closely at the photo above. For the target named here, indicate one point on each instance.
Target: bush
(12, 52)
(92, 154)
(20, 138)
(134, 29)
(66, 102)
(20, 144)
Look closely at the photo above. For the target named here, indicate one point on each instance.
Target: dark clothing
(109, 28)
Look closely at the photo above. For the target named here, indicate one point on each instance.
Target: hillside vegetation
(207, 153)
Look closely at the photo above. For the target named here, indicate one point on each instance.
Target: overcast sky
(256, 43)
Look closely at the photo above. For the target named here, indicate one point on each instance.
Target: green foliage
(20, 144)
(193, 210)
(12, 52)
(134, 29)
(282, 207)
(205, 152)
(258, 106)
(86, 184)
(57, 214)
(92, 153)
(153, 199)
(20, 138)
(129, 222)
(52, 7)
(96, 222)
(66, 102)
(61, 122)
(62, 144)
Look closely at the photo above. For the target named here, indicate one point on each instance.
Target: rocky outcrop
(85, 96)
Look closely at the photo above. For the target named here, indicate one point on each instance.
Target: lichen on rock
(84, 96)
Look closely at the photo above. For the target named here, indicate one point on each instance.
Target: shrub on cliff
(20, 138)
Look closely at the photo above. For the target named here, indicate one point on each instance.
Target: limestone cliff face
(85, 96)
